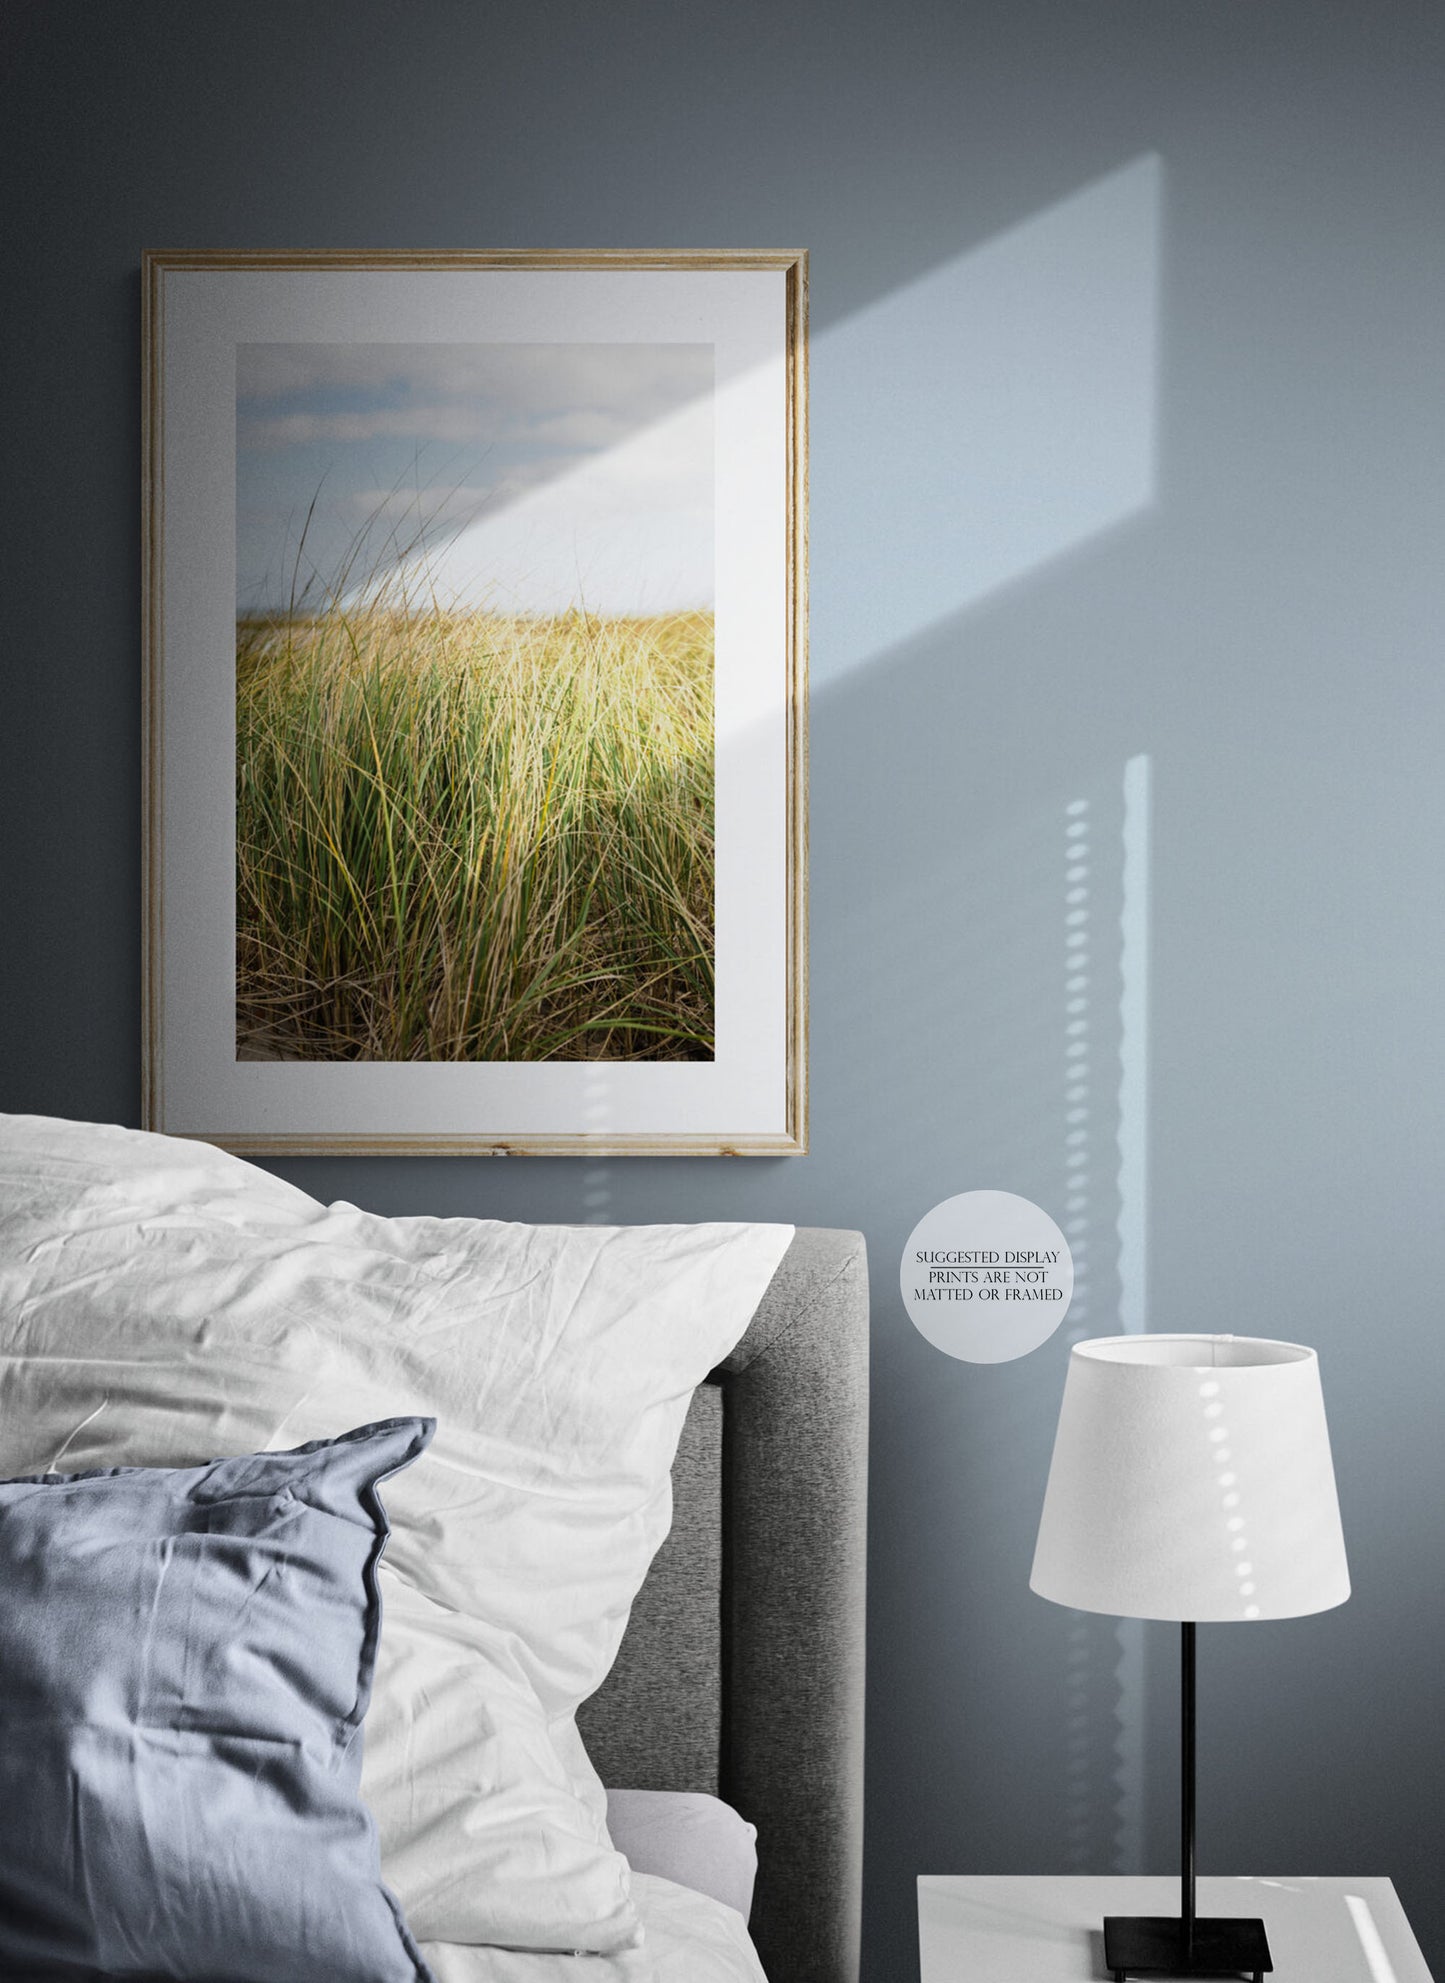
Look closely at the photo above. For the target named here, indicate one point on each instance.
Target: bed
(162, 1303)
(741, 1673)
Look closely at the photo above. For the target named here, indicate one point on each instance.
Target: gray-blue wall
(1128, 444)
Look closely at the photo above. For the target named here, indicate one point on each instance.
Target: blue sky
(526, 477)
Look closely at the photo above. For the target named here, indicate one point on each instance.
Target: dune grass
(461, 836)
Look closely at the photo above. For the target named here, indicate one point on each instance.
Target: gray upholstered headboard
(742, 1669)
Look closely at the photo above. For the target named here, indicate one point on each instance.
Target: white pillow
(687, 1836)
(163, 1303)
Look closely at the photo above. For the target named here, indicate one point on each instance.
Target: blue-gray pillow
(186, 1656)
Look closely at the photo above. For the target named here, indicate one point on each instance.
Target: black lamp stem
(1186, 1785)
(1158, 1945)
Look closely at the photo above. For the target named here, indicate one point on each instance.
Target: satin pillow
(186, 1656)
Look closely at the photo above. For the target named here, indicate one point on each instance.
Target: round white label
(987, 1276)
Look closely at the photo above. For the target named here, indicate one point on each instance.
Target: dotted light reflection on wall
(1104, 849)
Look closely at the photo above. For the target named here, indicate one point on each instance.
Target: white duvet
(162, 1303)
(688, 1938)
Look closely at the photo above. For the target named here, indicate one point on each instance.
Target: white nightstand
(1005, 1928)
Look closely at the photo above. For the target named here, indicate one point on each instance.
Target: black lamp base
(1153, 1945)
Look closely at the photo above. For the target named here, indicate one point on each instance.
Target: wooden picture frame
(475, 819)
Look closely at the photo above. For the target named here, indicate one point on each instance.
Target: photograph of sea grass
(474, 703)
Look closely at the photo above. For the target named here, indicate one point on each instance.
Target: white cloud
(402, 423)
(626, 531)
(587, 428)
(509, 385)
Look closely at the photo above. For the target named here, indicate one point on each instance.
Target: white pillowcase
(687, 1836)
(163, 1303)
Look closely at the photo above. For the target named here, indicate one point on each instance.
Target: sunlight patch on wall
(997, 412)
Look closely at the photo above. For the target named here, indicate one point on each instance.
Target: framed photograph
(476, 684)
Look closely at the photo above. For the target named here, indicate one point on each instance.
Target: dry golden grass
(466, 837)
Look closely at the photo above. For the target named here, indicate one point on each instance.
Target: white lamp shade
(1192, 1479)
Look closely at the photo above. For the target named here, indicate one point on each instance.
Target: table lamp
(1191, 1480)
